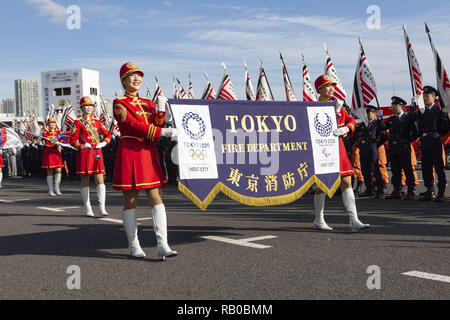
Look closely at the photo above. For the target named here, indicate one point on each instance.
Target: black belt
(429, 134)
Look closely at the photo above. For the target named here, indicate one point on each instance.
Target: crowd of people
(141, 158)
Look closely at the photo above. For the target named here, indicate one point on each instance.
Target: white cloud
(48, 8)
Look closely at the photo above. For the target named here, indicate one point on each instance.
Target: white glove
(101, 145)
(86, 145)
(169, 132)
(413, 101)
(162, 104)
(341, 131)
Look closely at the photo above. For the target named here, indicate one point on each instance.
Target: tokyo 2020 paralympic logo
(194, 126)
(323, 124)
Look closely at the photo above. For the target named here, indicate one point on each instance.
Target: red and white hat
(86, 101)
(322, 81)
(129, 68)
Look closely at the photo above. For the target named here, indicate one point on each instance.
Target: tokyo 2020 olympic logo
(194, 126)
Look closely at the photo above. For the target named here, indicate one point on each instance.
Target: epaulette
(121, 98)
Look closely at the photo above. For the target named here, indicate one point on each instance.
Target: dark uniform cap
(397, 100)
(429, 89)
(371, 108)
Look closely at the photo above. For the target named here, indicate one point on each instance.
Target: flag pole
(409, 63)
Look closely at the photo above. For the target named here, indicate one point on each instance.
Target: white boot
(101, 195)
(50, 186)
(348, 198)
(160, 228)
(130, 226)
(319, 205)
(86, 202)
(57, 184)
(1, 178)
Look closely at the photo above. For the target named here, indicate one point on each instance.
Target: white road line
(428, 276)
(13, 201)
(364, 198)
(141, 219)
(111, 220)
(61, 209)
(117, 220)
(243, 242)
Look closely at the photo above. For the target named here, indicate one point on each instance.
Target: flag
(69, 119)
(290, 96)
(339, 92)
(263, 92)
(309, 93)
(64, 137)
(443, 83)
(226, 89)
(9, 139)
(250, 93)
(414, 72)
(183, 94)
(364, 86)
(191, 94)
(148, 95)
(175, 92)
(158, 92)
(208, 92)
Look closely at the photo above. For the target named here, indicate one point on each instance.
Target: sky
(175, 38)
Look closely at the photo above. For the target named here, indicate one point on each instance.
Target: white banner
(322, 122)
(196, 153)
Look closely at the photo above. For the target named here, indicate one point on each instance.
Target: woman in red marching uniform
(52, 160)
(137, 164)
(346, 125)
(86, 138)
(2, 165)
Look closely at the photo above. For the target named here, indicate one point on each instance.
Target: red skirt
(346, 167)
(86, 163)
(52, 159)
(2, 165)
(137, 166)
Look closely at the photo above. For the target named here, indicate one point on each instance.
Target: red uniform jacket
(52, 156)
(137, 162)
(344, 120)
(88, 129)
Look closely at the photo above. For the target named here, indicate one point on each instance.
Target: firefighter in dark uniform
(432, 124)
(401, 133)
(165, 147)
(370, 138)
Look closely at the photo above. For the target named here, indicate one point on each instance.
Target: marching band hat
(397, 100)
(51, 120)
(322, 81)
(127, 69)
(429, 89)
(371, 108)
(86, 101)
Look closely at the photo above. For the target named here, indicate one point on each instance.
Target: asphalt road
(41, 237)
